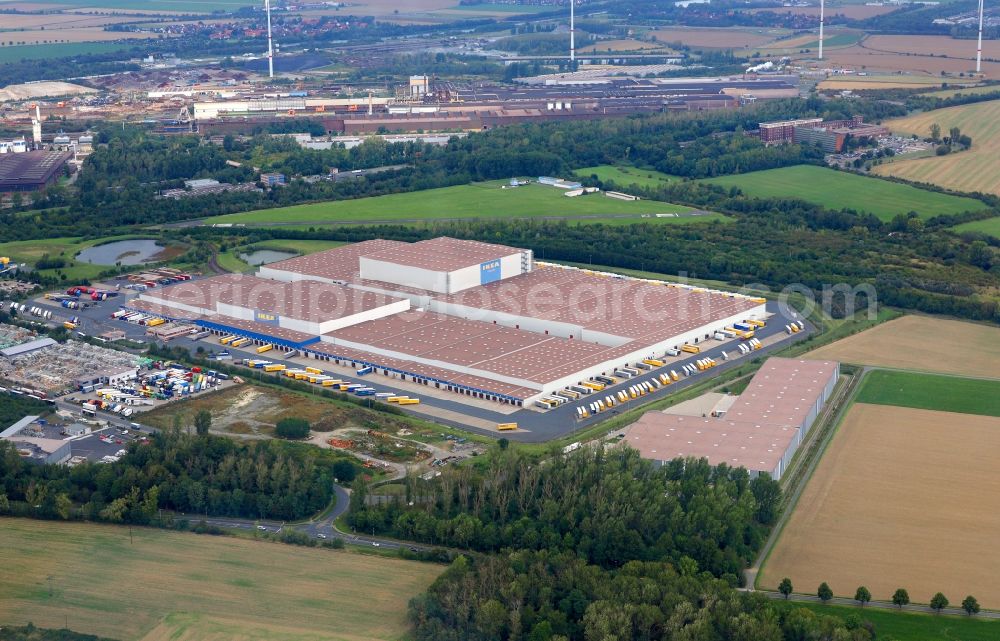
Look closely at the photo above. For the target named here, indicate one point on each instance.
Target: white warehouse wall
(385, 271)
(207, 311)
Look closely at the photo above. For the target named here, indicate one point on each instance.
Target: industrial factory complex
(760, 431)
(555, 97)
(474, 318)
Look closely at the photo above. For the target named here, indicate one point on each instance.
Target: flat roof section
(339, 263)
(200, 292)
(161, 310)
(783, 391)
(443, 254)
(663, 437)
(626, 308)
(307, 300)
(425, 371)
(31, 168)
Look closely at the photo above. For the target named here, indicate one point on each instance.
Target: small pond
(126, 252)
(265, 256)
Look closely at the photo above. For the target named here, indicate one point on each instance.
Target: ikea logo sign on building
(489, 272)
(266, 318)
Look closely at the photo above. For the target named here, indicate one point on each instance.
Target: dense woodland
(174, 471)
(594, 546)
(606, 508)
(557, 596)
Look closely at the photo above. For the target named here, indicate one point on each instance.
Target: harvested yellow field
(56, 21)
(894, 81)
(860, 57)
(627, 44)
(933, 45)
(852, 11)
(972, 170)
(902, 498)
(717, 38)
(173, 585)
(921, 343)
(70, 34)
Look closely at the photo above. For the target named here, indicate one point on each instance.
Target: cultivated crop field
(989, 226)
(972, 170)
(838, 190)
(60, 50)
(148, 6)
(921, 343)
(884, 81)
(479, 200)
(862, 56)
(902, 498)
(625, 176)
(931, 391)
(717, 38)
(199, 587)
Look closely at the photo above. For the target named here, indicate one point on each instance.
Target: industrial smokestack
(822, 17)
(979, 45)
(572, 31)
(270, 47)
(36, 127)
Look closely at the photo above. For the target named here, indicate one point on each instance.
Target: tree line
(900, 598)
(199, 474)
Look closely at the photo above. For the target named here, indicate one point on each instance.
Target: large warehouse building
(761, 431)
(475, 318)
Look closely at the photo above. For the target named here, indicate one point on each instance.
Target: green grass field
(912, 626)
(990, 226)
(839, 190)
(478, 200)
(59, 50)
(29, 251)
(625, 176)
(931, 392)
(174, 585)
(298, 246)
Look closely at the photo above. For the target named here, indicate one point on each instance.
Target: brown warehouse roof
(443, 254)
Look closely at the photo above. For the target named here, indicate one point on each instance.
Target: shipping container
(654, 362)
(504, 427)
(690, 349)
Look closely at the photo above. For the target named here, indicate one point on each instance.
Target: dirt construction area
(253, 410)
(921, 343)
(902, 498)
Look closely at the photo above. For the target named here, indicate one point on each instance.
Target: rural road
(878, 605)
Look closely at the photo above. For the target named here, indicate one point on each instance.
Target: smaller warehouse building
(31, 170)
(761, 431)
